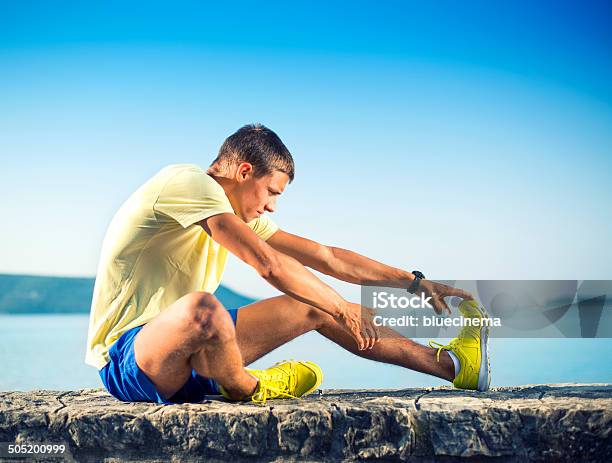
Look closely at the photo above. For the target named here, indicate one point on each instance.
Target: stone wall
(529, 423)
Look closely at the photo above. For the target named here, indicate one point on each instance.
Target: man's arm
(339, 263)
(284, 272)
(354, 268)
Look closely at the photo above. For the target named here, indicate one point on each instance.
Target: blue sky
(469, 140)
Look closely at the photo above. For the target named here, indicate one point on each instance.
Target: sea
(48, 351)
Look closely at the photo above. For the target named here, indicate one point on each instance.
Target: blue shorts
(123, 378)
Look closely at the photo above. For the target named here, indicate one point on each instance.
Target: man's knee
(205, 316)
(313, 317)
(317, 318)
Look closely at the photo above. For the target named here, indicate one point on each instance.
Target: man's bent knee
(205, 316)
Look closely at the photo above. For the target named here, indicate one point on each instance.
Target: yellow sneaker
(471, 347)
(289, 379)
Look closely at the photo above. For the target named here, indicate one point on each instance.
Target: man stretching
(157, 333)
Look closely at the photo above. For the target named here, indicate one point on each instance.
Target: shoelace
(265, 390)
(436, 345)
(268, 392)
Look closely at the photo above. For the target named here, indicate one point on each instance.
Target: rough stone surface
(529, 423)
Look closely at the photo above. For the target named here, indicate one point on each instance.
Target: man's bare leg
(397, 350)
(265, 325)
(194, 332)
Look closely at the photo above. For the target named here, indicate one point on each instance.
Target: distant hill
(20, 294)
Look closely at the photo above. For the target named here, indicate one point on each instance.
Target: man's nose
(271, 206)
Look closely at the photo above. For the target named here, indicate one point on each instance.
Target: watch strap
(414, 286)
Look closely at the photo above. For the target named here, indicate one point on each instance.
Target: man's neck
(228, 187)
(225, 183)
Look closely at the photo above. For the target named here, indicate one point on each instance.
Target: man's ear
(244, 171)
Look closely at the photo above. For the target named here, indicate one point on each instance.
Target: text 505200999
(25, 450)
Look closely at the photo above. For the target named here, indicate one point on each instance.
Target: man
(158, 334)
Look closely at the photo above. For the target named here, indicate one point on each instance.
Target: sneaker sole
(318, 374)
(484, 374)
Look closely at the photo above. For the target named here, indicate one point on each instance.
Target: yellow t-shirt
(154, 253)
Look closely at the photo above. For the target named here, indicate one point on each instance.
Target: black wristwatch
(414, 286)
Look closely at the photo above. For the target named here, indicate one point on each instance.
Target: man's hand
(438, 292)
(359, 324)
(368, 328)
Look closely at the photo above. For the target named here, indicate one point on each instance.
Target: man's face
(255, 195)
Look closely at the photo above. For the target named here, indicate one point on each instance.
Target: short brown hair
(259, 146)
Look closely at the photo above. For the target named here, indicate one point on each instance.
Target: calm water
(47, 352)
